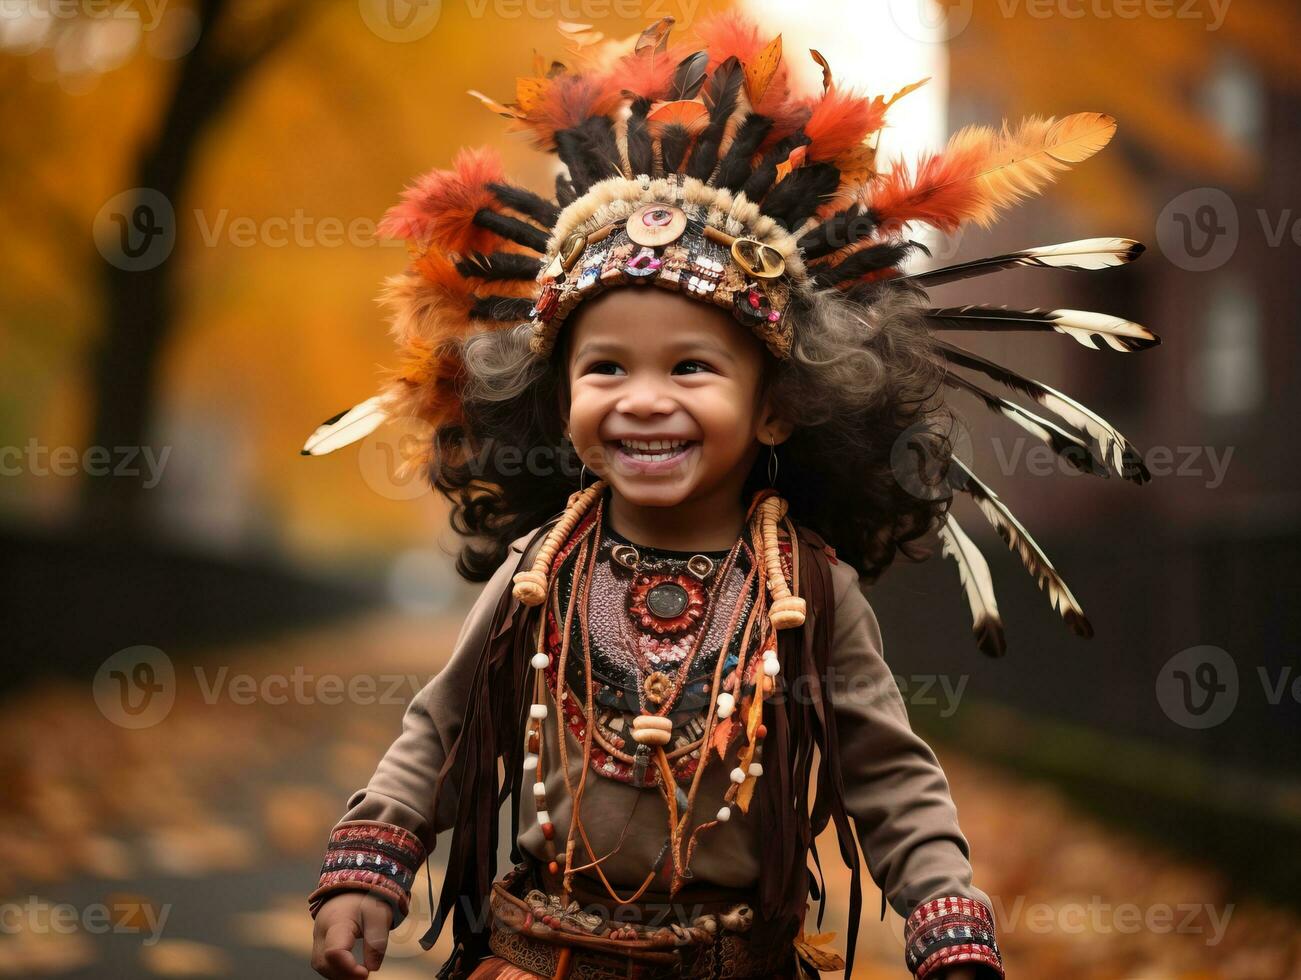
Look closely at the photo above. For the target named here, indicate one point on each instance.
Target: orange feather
(439, 208)
(981, 171)
(840, 120)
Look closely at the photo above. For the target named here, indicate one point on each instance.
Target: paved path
(186, 848)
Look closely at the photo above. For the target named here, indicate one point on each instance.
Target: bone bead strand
(786, 611)
(531, 585)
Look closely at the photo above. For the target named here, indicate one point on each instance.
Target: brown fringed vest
(492, 732)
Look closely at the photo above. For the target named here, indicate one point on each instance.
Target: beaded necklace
(652, 730)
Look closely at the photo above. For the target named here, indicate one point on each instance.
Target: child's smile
(664, 404)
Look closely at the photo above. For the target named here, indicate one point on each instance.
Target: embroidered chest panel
(653, 642)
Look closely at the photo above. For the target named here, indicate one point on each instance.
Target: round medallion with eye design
(656, 224)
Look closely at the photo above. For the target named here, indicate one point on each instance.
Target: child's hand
(340, 921)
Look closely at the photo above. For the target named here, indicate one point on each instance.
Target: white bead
(770, 654)
(756, 769)
(771, 667)
(738, 775)
(726, 704)
(539, 789)
(530, 762)
(724, 814)
(538, 711)
(540, 660)
(543, 817)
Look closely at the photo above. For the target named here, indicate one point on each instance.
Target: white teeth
(653, 450)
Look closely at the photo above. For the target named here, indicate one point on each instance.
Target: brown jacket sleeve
(898, 797)
(389, 827)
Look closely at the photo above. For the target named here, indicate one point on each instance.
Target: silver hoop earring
(772, 464)
(582, 478)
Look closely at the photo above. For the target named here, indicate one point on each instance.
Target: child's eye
(603, 367)
(698, 366)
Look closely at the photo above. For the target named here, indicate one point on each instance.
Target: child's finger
(339, 939)
(375, 919)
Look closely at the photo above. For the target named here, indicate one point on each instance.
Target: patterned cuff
(949, 932)
(371, 856)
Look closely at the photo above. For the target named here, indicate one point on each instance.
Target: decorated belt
(696, 936)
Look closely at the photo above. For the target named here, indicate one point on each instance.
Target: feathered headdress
(695, 168)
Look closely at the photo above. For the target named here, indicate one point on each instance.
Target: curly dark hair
(860, 381)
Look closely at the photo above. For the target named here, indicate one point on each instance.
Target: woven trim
(371, 856)
(949, 931)
(615, 198)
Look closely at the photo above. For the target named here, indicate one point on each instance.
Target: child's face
(647, 365)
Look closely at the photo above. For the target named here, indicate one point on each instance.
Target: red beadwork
(688, 618)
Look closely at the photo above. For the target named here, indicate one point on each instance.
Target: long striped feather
(1067, 445)
(1081, 326)
(978, 584)
(1085, 255)
(1018, 540)
(347, 427)
(1119, 452)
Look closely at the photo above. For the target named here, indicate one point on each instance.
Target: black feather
(724, 86)
(565, 193)
(734, 169)
(641, 154)
(689, 76)
(500, 265)
(885, 255)
(526, 202)
(589, 151)
(759, 182)
(841, 230)
(796, 198)
(520, 232)
(504, 308)
(673, 146)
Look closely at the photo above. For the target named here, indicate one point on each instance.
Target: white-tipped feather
(1119, 453)
(1085, 255)
(347, 427)
(978, 584)
(1080, 325)
(1018, 540)
(1068, 445)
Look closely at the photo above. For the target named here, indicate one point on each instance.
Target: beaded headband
(677, 233)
